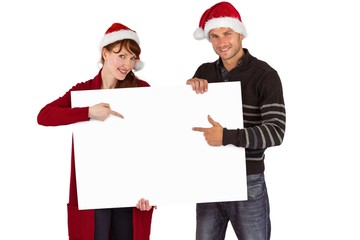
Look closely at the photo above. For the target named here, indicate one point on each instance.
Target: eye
(133, 58)
(122, 56)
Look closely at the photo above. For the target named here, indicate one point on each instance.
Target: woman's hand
(144, 205)
(102, 111)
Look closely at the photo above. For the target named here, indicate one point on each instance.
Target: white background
(48, 46)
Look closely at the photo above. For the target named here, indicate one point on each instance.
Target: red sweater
(81, 222)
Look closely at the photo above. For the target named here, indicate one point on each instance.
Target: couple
(264, 126)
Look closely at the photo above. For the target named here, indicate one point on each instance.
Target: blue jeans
(250, 219)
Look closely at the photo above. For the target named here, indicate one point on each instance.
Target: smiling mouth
(123, 71)
(223, 50)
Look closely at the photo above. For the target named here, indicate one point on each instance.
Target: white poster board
(153, 152)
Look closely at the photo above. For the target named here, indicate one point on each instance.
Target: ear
(103, 52)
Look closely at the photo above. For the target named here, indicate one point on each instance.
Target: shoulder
(94, 83)
(209, 64)
(258, 63)
(87, 85)
(143, 83)
(206, 68)
(82, 85)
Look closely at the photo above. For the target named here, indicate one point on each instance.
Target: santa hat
(117, 32)
(222, 14)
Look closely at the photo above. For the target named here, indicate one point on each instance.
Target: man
(264, 123)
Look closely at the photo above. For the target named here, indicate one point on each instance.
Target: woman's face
(119, 62)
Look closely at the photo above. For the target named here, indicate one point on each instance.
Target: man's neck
(232, 63)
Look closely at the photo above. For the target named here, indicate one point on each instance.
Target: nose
(221, 41)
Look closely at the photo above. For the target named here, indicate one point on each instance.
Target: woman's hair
(130, 80)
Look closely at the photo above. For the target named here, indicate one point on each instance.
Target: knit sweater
(262, 104)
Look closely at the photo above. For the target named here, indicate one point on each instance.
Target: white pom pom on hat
(222, 14)
(118, 31)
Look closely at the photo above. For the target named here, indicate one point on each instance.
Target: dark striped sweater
(263, 107)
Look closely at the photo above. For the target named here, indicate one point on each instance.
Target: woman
(120, 55)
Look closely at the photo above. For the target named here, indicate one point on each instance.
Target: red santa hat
(222, 14)
(117, 32)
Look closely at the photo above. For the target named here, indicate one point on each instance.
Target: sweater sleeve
(142, 224)
(264, 125)
(60, 112)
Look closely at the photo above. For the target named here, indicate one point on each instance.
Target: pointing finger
(199, 129)
(116, 114)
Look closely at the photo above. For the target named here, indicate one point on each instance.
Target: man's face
(226, 43)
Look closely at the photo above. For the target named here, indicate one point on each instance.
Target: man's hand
(214, 134)
(198, 85)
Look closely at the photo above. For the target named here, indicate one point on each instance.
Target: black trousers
(114, 222)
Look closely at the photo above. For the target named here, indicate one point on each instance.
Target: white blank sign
(153, 152)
